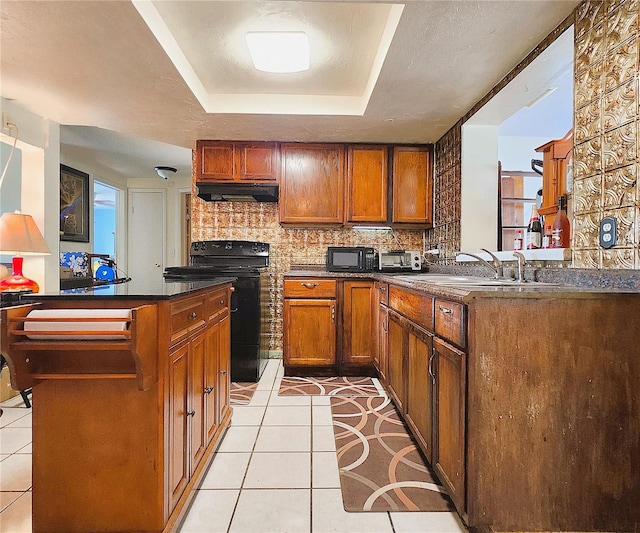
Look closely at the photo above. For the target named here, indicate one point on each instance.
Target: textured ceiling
(98, 64)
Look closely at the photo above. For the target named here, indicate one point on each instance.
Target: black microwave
(350, 259)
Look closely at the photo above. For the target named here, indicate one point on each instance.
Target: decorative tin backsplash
(606, 132)
(289, 246)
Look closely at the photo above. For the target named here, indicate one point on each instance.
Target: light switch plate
(608, 232)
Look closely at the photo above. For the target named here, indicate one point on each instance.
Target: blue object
(106, 273)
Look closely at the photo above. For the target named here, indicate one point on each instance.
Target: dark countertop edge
(467, 293)
(94, 293)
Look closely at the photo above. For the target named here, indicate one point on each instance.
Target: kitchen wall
(289, 246)
(606, 136)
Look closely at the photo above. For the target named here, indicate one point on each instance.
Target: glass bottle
(561, 230)
(534, 230)
(517, 242)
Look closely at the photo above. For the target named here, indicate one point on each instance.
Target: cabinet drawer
(310, 288)
(450, 321)
(186, 316)
(415, 306)
(216, 303)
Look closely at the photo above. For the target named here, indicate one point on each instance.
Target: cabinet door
(358, 322)
(196, 401)
(366, 188)
(212, 355)
(450, 365)
(420, 388)
(215, 161)
(381, 361)
(311, 184)
(178, 439)
(396, 376)
(257, 161)
(412, 189)
(224, 366)
(309, 332)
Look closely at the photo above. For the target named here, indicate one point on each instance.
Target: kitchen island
(524, 397)
(130, 400)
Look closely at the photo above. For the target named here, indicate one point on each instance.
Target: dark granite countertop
(466, 288)
(132, 290)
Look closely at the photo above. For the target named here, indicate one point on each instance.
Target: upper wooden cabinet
(555, 158)
(366, 184)
(311, 183)
(237, 161)
(412, 185)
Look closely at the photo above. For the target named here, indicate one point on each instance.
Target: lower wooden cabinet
(329, 326)
(310, 333)
(420, 388)
(358, 323)
(396, 370)
(178, 426)
(449, 455)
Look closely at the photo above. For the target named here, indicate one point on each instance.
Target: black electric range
(246, 261)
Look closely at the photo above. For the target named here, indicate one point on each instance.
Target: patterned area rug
(380, 466)
(241, 393)
(335, 386)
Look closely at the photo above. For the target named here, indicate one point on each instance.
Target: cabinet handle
(223, 372)
(208, 390)
(309, 285)
(191, 413)
(383, 289)
(221, 302)
(433, 376)
(445, 310)
(193, 315)
(384, 325)
(333, 314)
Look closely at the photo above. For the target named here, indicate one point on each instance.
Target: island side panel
(554, 413)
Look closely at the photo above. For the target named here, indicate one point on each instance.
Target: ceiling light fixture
(279, 52)
(165, 172)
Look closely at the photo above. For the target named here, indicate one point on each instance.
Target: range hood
(237, 192)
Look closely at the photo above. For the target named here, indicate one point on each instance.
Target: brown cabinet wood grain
(145, 390)
(397, 356)
(449, 455)
(555, 156)
(412, 185)
(310, 332)
(419, 413)
(366, 184)
(380, 355)
(358, 323)
(450, 321)
(312, 184)
(222, 161)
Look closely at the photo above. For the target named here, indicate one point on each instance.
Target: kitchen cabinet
(366, 184)
(358, 323)
(449, 454)
(420, 388)
(224, 161)
(144, 388)
(412, 186)
(329, 326)
(427, 381)
(380, 358)
(312, 184)
(555, 159)
(309, 325)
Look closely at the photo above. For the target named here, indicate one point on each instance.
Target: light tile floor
(276, 471)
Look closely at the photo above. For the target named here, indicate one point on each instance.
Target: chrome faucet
(521, 263)
(497, 264)
(497, 270)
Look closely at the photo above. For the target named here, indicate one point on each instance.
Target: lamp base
(17, 281)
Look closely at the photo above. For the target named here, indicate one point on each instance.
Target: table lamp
(19, 235)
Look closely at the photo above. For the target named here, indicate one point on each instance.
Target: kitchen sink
(468, 281)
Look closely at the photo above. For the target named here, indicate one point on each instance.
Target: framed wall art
(74, 205)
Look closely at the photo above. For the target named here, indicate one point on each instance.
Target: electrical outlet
(608, 232)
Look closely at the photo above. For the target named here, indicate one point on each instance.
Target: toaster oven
(399, 260)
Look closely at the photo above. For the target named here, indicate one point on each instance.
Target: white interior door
(147, 236)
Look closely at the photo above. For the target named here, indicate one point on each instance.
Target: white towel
(124, 314)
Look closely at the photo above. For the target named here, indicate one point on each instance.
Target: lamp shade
(20, 235)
